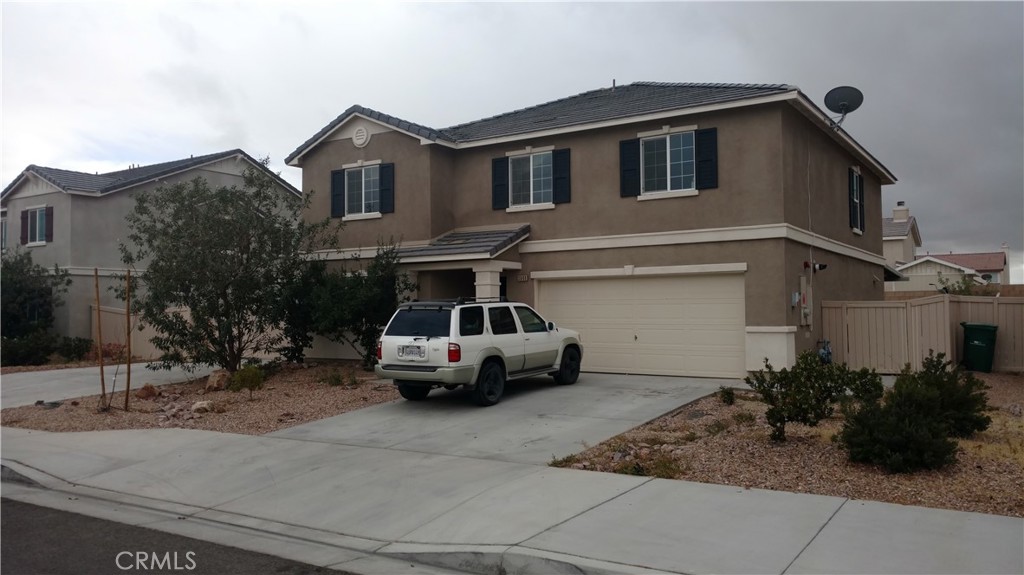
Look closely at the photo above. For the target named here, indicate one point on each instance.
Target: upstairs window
(856, 195)
(531, 179)
(3, 234)
(363, 191)
(668, 163)
(37, 226)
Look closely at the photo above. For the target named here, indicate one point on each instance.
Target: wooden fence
(886, 335)
(113, 324)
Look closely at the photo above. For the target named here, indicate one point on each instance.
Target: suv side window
(532, 323)
(471, 320)
(502, 321)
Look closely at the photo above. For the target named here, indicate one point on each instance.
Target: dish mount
(843, 100)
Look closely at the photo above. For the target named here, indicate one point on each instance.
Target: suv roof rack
(463, 300)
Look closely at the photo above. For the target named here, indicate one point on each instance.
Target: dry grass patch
(290, 397)
(710, 442)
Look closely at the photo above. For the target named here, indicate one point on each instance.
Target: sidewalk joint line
(816, 533)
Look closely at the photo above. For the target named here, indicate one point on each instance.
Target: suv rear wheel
(569, 370)
(490, 384)
(413, 392)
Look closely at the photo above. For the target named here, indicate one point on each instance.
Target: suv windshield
(432, 322)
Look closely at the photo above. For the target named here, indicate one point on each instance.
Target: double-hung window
(362, 190)
(856, 196)
(668, 163)
(35, 220)
(531, 179)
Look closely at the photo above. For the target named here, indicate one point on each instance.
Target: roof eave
(295, 158)
(802, 103)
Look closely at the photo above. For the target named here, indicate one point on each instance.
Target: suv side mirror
(551, 326)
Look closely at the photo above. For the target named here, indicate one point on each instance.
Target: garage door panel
(682, 325)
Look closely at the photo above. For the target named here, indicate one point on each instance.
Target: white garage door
(681, 325)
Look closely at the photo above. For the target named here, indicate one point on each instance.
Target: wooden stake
(128, 335)
(99, 339)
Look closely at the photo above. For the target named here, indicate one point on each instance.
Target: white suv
(475, 344)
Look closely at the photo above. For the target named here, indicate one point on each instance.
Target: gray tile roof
(458, 242)
(599, 105)
(894, 229)
(69, 180)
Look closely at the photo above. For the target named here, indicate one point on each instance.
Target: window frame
(512, 205)
(520, 310)
(511, 321)
(3, 232)
(362, 192)
(856, 192)
(667, 139)
(40, 226)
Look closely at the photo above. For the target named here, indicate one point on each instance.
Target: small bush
(905, 433)
(334, 379)
(804, 394)
(74, 348)
(249, 377)
(32, 349)
(727, 395)
(112, 351)
(744, 418)
(716, 427)
(962, 398)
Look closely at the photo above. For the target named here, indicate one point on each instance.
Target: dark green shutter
(49, 224)
(387, 188)
(24, 227)
(562, 184)
(338, 194)
(863, 200)
(706, 154)
(629, 168)
(499, 183)
(852, 182)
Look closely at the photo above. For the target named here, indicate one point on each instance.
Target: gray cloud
(943, 82)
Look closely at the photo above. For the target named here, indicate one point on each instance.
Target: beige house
(900, 237)
(927, 272)
(77, 220)
(678, 227)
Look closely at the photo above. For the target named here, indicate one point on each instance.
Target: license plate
(413, 351)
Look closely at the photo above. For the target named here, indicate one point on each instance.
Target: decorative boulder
(218, 380)
(147, 392)
(202, 407)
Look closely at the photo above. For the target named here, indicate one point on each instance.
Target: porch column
(488, 283)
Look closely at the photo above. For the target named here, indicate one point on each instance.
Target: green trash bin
(979, 346)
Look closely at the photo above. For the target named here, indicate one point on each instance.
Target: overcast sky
(98, 86)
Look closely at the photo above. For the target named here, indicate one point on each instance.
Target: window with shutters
(3, 234)
(363, 190)
(36, 226)
(668, 163)
(856, 195)
(531, 179)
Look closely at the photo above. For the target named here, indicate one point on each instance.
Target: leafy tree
(28, 294)
(218, 263)
(963, 286)
(353, 305)
(298, 316)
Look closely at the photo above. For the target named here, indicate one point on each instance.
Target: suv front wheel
(490, 384)
(569, 371)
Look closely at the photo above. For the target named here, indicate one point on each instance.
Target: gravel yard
(710, 442)
(291, 397)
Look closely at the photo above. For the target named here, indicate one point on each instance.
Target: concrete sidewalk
(59, 384)
(363, 508)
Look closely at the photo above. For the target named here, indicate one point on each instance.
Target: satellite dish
(842, 101)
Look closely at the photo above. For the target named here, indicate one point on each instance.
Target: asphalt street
(43, 541)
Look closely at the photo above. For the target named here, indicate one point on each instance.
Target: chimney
(901, 212)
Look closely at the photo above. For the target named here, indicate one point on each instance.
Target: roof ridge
(518, 110)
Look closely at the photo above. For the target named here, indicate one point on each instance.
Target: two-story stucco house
(676, 226)
(77, 220)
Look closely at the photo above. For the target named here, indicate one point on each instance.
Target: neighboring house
(900, 236)
(674, 225)
(77, 220)
(924, 273)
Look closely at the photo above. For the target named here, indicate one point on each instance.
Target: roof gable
(901, 229)
(70, 181)
(983, 262)
(932, 259)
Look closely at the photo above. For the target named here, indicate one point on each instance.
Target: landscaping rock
(146, 392)
(202, 406)
(218, 380)
(219, 407)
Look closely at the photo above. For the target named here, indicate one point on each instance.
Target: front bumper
(427, 374)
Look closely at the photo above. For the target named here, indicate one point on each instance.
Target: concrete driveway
(58, 384)
(536, 421)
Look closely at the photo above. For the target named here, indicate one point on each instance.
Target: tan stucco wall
(413, 211)
(816, 172)
(898, 251)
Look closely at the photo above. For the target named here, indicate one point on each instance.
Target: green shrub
(334, 379)
(962, 398)
(804, 394)
(74, 348)
(863, 385)
(727, 395)
(905, 433)
(32, 349)
(249, 377)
